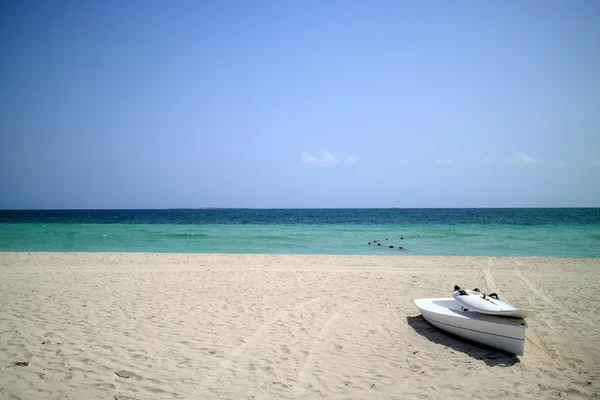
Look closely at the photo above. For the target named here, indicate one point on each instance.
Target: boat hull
(507, 334)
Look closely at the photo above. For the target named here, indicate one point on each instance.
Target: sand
(192, 326)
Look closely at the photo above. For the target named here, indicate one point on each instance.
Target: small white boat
(507, 334)
(479, 302)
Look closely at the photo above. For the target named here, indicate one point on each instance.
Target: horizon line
(292, 208)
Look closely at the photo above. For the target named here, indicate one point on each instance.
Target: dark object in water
(391, 247)
(21, 363)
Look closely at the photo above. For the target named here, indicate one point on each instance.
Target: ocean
(539, 232)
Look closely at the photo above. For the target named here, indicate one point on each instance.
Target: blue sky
(275, 104)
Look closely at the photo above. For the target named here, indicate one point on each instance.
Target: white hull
(507, 334)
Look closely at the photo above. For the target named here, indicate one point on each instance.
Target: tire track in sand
(201, 390)
(531, 335)
(489, 278)
(547, 299)
(305, 376)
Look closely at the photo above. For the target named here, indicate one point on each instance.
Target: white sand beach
(197, 326)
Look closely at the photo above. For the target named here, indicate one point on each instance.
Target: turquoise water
(486, 232)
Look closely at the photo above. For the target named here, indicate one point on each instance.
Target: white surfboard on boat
(507, 334)
(481, 303)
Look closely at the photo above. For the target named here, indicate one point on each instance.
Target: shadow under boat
(490, 355)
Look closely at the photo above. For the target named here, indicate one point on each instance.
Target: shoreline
(196, 326)
(159, 253)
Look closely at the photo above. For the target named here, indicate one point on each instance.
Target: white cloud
(443, 161)
(522, 158)
(595, 163)
(326, 159)
(351, 159)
